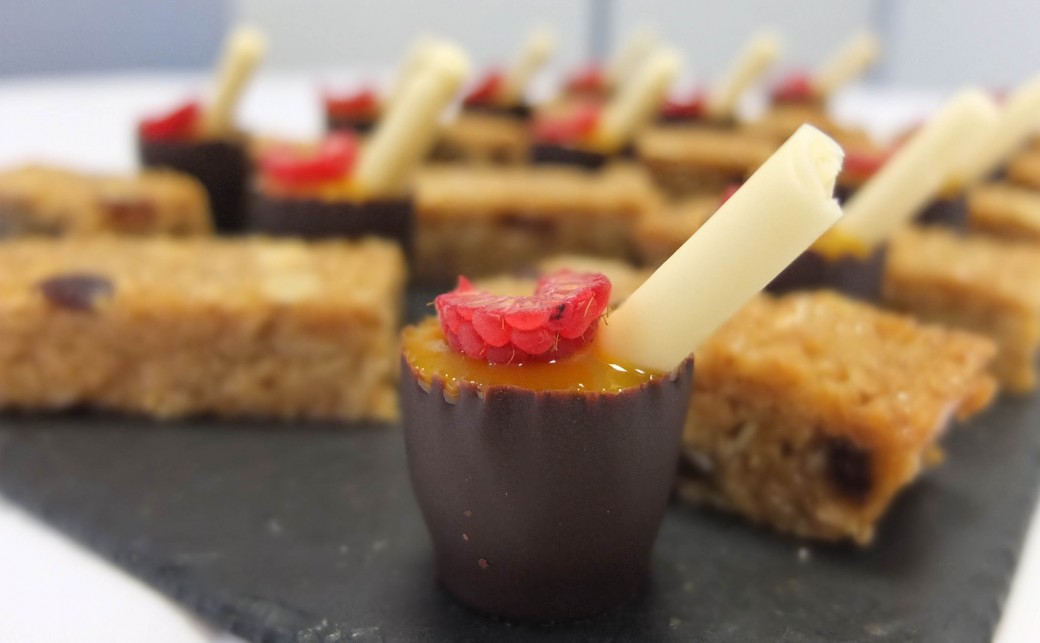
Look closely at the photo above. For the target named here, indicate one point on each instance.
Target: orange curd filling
(430, 357)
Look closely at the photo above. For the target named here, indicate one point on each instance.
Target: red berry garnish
(561, 317)
(796, 88)
(568, 127)
(691, 108)
(364, 102)
(486, 91)
(179, 124)
(864, 164)
(730, 190)
(333, 160)
(588, 80)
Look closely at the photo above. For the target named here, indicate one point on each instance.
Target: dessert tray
(310, 533)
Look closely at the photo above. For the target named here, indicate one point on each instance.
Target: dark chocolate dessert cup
(853, 276)
(520, 111)
(314, 218)
(356, 124)
(543, 506)
(948, 212)
(552, 154)
(222, 166)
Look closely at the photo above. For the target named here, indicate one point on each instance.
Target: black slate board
(312, 534)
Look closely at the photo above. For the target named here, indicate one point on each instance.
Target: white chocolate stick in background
(243, 51)
(537, 51)
(413, 61)
(407, 131)
(754, 60)
(638, 101)
(845, 65)
(782, 209)
(1017, 121)
(914, 174)
(623, 65)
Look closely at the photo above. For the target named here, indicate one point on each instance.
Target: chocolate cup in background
(519, 112)
(543, 506)
(222, 166)
(313, 218)
(726, 125)
(949, 212)
(356, 124)
(852, 276)
(550, 154)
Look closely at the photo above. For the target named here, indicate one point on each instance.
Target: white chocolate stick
(785, 206)
(537, 50)
(243, 51)
(637, 102)
(756, 57)
(413, 62)
(406, 133)
(845, 65)
(624, 64)
(916, 172)
(1017, 121)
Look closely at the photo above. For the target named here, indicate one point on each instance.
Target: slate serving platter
(311, 534)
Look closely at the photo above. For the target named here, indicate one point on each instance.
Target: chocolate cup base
(357, 124)
(852, 276)
(519, 112)
(948, 213)
(546, 154)
(312, 218)
(543, 506)
(222, 167)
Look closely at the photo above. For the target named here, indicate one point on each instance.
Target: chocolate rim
(520, 111)
(534, 513)
(315, 218)
(358, 124)
(853, 276)
(553, 154)
(222, 166)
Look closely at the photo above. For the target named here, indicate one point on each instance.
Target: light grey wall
(68, 36)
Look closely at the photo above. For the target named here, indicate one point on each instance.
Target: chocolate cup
(313, 218)
(357, 124)
(549, 154)
(222, 166)
(519, 112)
(853, 276)
(543, 506)
(951, 212)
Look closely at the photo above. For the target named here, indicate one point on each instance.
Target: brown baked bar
(1024, 168)
(38, 200)
(662, 230)
(984, 285)
(480, 221)
(1005, 210)
(812, 411)
(685, 161)
(173, 328)
(483, 138)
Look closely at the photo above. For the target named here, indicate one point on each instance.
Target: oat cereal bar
(483, 221)
(39, 200)
(812, 411)
(170, 328)
(1006, 211)
(984, 285)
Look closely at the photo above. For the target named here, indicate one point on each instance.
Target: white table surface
(87, 122)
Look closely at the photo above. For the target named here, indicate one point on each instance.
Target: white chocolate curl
(638, 102)
(407, 131)
(1017, 120)
(413, 62)
(782, 209)
(918, 169)
(243, 51)
(756, 57)
(624, 64)
(537, 50)
(847, 64)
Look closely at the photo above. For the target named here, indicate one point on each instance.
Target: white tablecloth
(51, 589)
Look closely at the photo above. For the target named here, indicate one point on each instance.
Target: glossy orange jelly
(429, 356)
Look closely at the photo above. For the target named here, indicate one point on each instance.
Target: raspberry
(363, 102)
(692, 108)
(794, 89)
(487, 90)
(332, 160)
(561, 317)
(178, 124)
(574, 125)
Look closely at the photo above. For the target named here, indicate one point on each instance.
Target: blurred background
(926, 43)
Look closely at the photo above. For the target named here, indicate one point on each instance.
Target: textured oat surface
(810, 412)
(42, 200)
(980, 284)
(169, 328)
